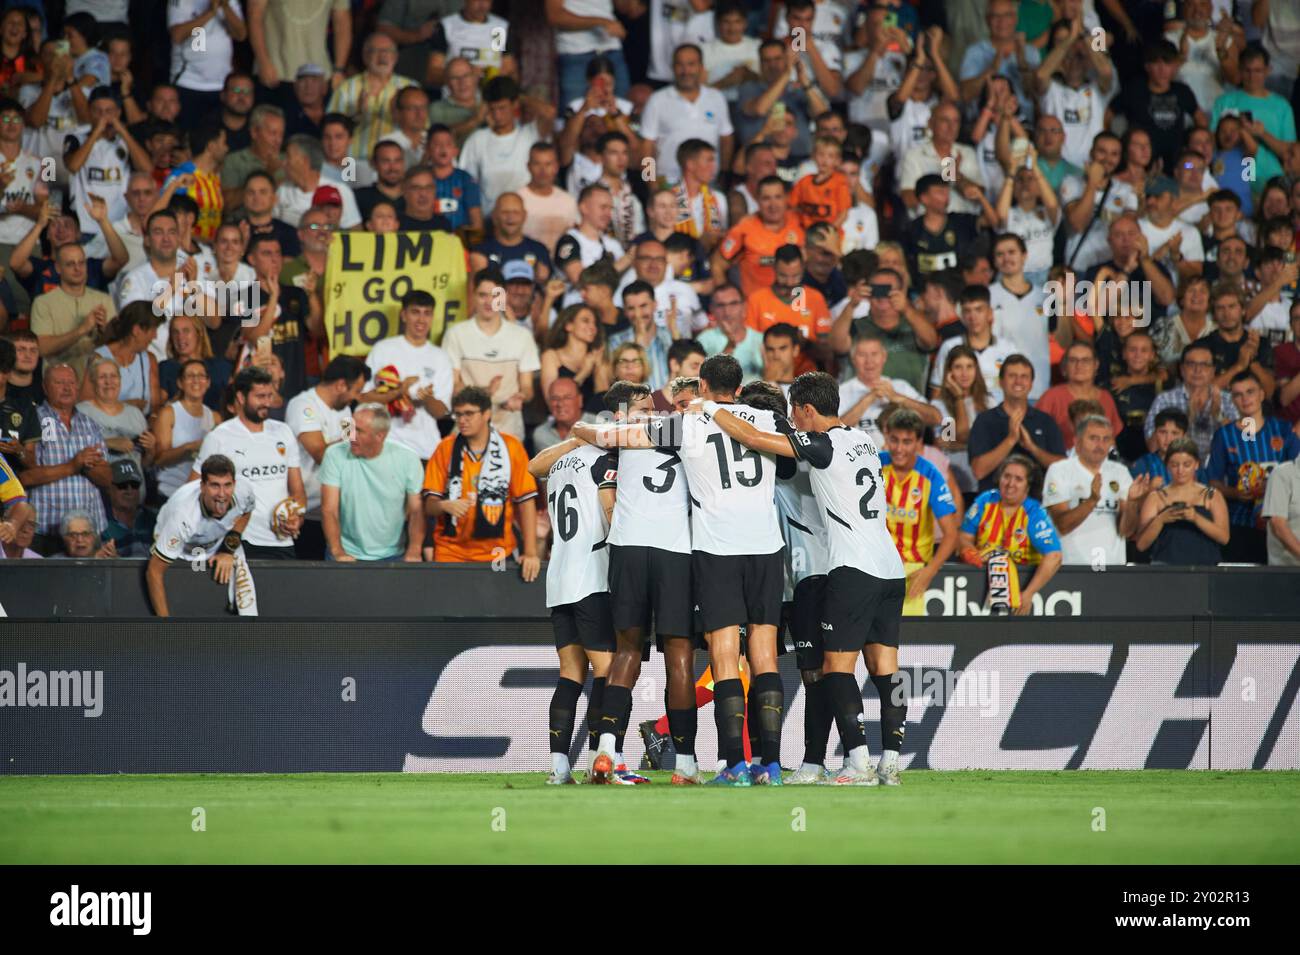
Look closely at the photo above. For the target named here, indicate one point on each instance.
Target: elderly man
(1093, 501)
(266, 134)
(941, 155)
(370, 493)
(464, 111)
(1004, 53)
(420, 202)
(508, 242)
(368, 96)
(303, 160)
(130, 526)
(71, 460)
(565, 403)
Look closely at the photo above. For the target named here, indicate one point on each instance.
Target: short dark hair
(216, 465)
(773, 180)
(1016, 359)
(490, 274)
(681, 349)
(782, 330)
(614, 136)
(639, 287)
(260, 239)
(181, 203)
(722, 374)
(905, 419)
(622, 393)
(417, 298)
(1194, 346)
(1176, 416)
(500, 88)
(160, 214)
(204, 134)
(260, 174)
(975, 293)
(246, 379)
(338, 119)
(690, 148)
(818, 389)
(1160, 51)
(347, 368)
(764, 396)
(1246, 375)
(927, 182)
(1222, 195)
(789, 253)
(472, 395)
(1009, 237)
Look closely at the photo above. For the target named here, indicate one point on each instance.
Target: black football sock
(618, 707)
(682, 725)
(769, 692)
(751, 723)
(817, 720)
(893, 710)
(844, 698)
(729, 714)
(595, 709)
(564, 711)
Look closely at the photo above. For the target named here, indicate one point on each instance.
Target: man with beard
(265, 454)
(206, 520)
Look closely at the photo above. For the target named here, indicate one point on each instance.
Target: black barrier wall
(100, 589)
(231, 695)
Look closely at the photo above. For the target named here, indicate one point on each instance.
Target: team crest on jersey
(1275, 442)
(31, 173)
(949, 236)
(15, 419)
(279, 446)
(492, 512)
(309, 412)
(916, 493)
(1019, 533)
(173, 543)
(1114, 486)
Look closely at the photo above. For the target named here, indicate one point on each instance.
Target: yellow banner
(368, 275)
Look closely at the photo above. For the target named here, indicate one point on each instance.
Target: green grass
(1047, 817)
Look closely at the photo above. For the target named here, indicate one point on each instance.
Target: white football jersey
(184, 529)
(732, 488)
(579, 564)
(653, 507)
(806, 548)
(845, 476)
(262, 461)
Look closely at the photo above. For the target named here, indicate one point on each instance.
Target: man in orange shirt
(788, 300)
(472, 486)
(752, 242)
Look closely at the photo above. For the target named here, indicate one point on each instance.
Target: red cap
(326, 196)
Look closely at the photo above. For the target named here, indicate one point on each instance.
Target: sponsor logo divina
(954, 600)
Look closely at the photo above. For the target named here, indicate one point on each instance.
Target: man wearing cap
(508, 242)
(327, 200)
(368, 97)
(99, 158)
(303, 159)
(130, 526)
(522, 300)
(306, 109)
(285, 36)
(1184, 253)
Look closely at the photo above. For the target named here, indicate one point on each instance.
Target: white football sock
(811, 768)
(860, 758)
(560, 764)
(889, 757)
(685, 765)
(606, 744)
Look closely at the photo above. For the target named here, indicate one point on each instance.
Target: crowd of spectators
(1055, 238)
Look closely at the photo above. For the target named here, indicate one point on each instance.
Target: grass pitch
(1031, 817)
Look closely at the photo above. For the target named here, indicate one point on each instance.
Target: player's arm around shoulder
(748, 435)
(544, 460)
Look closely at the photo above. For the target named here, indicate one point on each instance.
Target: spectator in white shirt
(497, 157)
(320, 417)
(303, 160)
(1093, 501)
(686, 110)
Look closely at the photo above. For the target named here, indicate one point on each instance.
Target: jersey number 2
(867, 512)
